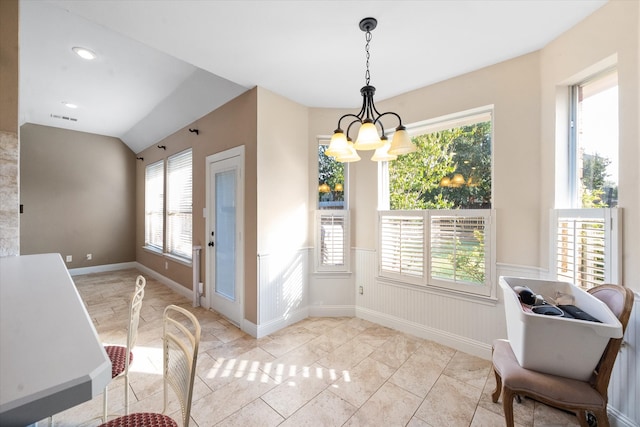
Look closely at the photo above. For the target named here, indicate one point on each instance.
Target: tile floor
(318, 372)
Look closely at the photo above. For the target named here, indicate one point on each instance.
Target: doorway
(225, 244)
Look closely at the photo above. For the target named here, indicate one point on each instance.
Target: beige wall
(232, 125)
(283, 174)
(512, 87)
(9, 142)
(78, 192)
(608, 36)
(9, 65)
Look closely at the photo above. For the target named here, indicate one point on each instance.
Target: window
(439, 248)
(332, 218)
(154, 206)
(593, 139)
(586, 246)
(451, 168)
(585, 241)
(436, 227)
(331, 182)
(179, 194)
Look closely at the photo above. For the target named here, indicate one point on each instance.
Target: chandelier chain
(367, 75)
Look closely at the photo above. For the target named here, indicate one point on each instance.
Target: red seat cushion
(118, 355)
(144, 419)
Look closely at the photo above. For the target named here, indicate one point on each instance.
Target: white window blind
(332, 250)
(154, 205)
(586, 246)
(441, 248)
(402, 247)
(179, 204)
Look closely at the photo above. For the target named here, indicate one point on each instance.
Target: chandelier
(371, 134)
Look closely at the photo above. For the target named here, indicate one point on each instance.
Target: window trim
(170, 250)
(153, 247)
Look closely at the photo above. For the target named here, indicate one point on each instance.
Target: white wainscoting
(463, 323)
(624, 386)
(282, 291)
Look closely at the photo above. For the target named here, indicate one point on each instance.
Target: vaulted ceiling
(163, 64)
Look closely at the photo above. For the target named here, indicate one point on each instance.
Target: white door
(224, 234)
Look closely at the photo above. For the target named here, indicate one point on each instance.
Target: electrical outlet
(361, 290)
(166, 265)
(69, 258)
(89, 257)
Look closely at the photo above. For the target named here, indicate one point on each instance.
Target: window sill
(180, 260)
(333, 274)
(450, 293)
(152, 250)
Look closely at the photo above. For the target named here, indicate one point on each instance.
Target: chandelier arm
(348, 115)
(391, 113)
(351, 124)
(379, 123)
(371, 109)
(363, 109)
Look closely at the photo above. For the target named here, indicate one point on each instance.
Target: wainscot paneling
(461, 322)
(283, 291)
(624, 386)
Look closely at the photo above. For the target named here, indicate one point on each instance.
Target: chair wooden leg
(496, 393)
(507, 405)
(602, 418)
(582, 418)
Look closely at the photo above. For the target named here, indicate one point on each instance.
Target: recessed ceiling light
(69, 104)
(84, 53)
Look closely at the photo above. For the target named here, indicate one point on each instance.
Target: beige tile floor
(318, 372)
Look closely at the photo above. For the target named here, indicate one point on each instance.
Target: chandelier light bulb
(368, 138)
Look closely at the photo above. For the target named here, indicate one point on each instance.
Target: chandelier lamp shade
(371, 133)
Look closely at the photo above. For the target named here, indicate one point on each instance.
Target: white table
(50, 356)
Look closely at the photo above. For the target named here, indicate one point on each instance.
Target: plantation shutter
(154, 205)
(179, 204)
(333, 240)
(402, 244)
(585, 246)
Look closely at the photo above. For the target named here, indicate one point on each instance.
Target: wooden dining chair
(122, 356)
(580, 397)
(181, 338)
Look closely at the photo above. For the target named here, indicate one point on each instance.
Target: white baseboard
(332, 311)
(618, 419)
(103, 268)
(265, 329)
(457, 342)
(174, 286)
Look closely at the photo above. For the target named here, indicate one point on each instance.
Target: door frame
(209, 215)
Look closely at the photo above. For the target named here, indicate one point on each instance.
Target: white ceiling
(163, 64)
